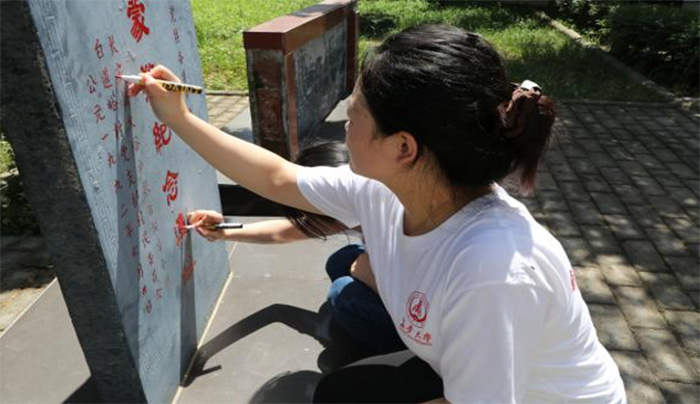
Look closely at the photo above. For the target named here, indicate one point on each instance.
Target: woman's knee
(338, 264)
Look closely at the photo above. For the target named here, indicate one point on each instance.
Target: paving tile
(586, 212)
(601, 238)
(577, 250)
(648, 185)
(601, 159)
(562, 224)
(649, 162)
(640, 384)
(683, 171)
(581, 165)
(613, 331)
(615, 175)
(608, 203)
(552, 201)
(666, 178)
(667, 291)
(665, 206)
(684, 196)
(617, 270)
(545, 181)
(687, 327)
(623, 227)
(592, 284)
(630, 195)
(687, 270)
(685, 227)
(595, 183)
(664, 154)
(693, 186)
(619, 153)
(645, 216)
(563, 172)
(666, 241)
(638, 307)
(681, 392)
(574, 191)
(665, 356)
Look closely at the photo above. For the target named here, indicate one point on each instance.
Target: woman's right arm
(274, 231)
(251, 166)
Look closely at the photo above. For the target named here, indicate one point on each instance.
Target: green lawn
(532, 49)
(220, 25)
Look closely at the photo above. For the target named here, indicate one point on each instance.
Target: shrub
(660, 41)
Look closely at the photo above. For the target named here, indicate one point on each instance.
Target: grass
(7, 160)
(531, 49)
(220, 25)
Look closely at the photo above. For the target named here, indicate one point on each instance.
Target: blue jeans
(356, 307)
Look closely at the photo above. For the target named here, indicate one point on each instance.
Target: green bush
(589, 17)
(661, 41)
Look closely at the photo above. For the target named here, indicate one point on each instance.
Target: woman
(352, 297)
(482, 294)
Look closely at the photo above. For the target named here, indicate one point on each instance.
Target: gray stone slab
(666, 242)
(647, 185)
(608, 203)
(640, 383)
(644, 256)
(578, 251)
(629, 195)
(562, 224)
(574, 191)
(552, 201)
(687, 327)
(595, 183)
(613, 331)
(592, 284)
(617, 270)
(601, 239)
(585, 212)
(687, 271)
(633, 168)
(665, 356)
(270, 342)
(667, 291)
(624, 227)
(615, 176)
(665, 206)
(686, 228)
(681, 392)
(41, 358)
(645, 216)
(638, 307)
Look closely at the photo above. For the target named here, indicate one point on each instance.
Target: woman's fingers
(163, 73)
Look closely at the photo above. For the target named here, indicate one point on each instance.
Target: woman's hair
(330, 154)
(449, 89)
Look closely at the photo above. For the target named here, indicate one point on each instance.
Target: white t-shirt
(488, 298)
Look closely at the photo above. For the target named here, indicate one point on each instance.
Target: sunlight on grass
(220, 25)
(531, 50)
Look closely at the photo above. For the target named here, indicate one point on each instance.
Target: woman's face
(368, 153)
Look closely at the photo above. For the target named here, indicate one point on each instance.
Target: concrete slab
(272, 337)
(41, 358)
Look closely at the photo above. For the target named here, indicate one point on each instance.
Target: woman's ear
(407, 148)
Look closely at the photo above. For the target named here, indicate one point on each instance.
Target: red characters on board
(135, 10)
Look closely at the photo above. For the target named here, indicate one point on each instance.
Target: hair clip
(530, 85)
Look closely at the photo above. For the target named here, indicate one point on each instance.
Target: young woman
(352, 297)
(483, 295)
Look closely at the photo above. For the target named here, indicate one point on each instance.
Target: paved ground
(620, 189)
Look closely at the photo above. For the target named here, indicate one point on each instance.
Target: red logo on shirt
(417, 309)
(416, 312)
(572, 278)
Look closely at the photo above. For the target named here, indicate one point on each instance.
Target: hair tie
(522, 104)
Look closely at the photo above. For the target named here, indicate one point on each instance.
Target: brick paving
(620, 190)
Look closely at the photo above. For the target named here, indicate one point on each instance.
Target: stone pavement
(620, 189)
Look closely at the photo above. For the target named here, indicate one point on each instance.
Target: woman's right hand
(204, 220)
(168, 106)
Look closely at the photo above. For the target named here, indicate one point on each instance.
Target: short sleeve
(334, 191)
(490, 335)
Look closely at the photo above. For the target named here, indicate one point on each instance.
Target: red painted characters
(135, 11)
